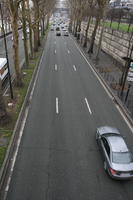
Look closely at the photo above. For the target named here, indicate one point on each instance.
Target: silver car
(118, 160)
(66, 33)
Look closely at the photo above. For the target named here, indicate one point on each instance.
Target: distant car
(27, 30)
(58, 33)
(66, 33)
(118, 160)
(57, 29)
(52, 29)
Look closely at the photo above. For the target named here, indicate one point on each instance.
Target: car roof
(117, 143)
(107, 129)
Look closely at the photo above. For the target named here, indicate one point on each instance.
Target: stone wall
(114, 42)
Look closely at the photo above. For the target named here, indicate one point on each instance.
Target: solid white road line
(74, 68)
(55, 42)
(68, 51)
(55, 51)
(129, 125)
(55, 67)
(17, 148)
(57, 106)
(88, 105)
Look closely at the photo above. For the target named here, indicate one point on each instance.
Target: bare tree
(29, 23)
(91, 5)
(25, 32)
(77, 12)
(39, 14)
(97, 21)
(103, 4)
(13, 6)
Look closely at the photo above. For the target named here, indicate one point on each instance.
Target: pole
(5, 43)
(127, 68)
(127, 92)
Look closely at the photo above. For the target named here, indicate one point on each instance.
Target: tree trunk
(73, 30)
(70, 25)
(86, 32)
(38, 31)
(102, 30)
(16, 51)
(36, 25)
(35, 39)
(47, 21)
(93, 35)
(13, 7)
(76, 28)
(25, 35)
(43, 25)
(30, 31)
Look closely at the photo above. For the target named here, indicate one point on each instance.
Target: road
(58, 158)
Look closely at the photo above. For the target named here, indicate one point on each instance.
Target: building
(122, 4)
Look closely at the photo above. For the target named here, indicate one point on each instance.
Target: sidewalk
(111, 71)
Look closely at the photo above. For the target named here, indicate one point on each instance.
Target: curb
(114, 97)
(12, 145)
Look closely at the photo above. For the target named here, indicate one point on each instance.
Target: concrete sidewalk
(111, 71)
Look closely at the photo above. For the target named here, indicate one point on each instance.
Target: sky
(61, 4)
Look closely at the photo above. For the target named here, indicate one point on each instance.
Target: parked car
(27, 30)
(118, 160)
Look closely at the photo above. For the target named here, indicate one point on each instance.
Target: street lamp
(5, 43)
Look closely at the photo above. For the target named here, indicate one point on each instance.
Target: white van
(3, 69)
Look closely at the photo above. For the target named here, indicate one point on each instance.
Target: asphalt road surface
(58, 158)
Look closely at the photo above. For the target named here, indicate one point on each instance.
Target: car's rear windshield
(122, 157)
